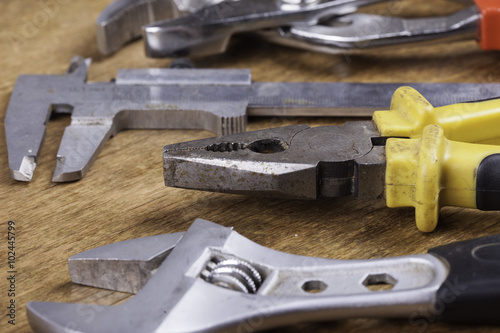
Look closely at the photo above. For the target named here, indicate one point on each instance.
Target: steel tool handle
(432, 171)
(471, 292)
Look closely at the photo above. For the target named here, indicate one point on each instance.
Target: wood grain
(123, 195)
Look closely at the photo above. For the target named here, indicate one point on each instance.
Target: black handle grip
(471, 292)
(488, 183)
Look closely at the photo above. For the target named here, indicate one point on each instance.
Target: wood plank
(123, 195)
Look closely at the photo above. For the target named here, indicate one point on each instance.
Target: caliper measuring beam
(217, 100)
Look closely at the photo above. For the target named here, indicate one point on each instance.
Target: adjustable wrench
(211, 279)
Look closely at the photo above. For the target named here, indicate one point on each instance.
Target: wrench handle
(488, 183)
(471, 292)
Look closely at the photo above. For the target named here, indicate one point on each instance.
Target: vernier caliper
(211, 279)
(213, 99)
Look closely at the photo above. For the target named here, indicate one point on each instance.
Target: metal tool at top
(211, 279)
(196, 28)
(413, 155)
(213, 99)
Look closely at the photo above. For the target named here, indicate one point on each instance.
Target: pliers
(211, 279)
(413, 155)
(203, 27)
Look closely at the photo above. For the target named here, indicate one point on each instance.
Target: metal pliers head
(294, 162)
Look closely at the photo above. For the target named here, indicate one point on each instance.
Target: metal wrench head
(122, 21)
(215, 280)
(209, 30)
(292, 162)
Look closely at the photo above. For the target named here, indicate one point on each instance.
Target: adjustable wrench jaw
(122, 21)
(158, 300)
(296, 162)
(255, 288)
(125, 266)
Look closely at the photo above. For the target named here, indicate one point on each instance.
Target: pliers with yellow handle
(412, 155)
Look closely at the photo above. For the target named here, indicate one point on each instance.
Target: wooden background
(123, 195)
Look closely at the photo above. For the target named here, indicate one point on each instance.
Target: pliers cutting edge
(198, 28)
(211, 279)
(413, 155)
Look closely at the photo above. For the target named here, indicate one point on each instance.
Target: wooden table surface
(123, 195)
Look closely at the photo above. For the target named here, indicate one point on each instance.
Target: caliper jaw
(30, 106)
(214, 100)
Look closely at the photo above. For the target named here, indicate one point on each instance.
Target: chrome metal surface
(362, 31)
(122, 21)
(202, 27)
(345, 99)
(208, 30)
(294, 289)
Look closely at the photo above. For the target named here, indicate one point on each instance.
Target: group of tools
(421, 152)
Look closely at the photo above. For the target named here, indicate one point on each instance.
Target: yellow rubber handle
(431, 172)
(466, 122)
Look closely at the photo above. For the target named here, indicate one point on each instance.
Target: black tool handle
(488, 184)
(471, 292)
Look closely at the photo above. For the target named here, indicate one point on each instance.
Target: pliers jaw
(296, 162)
